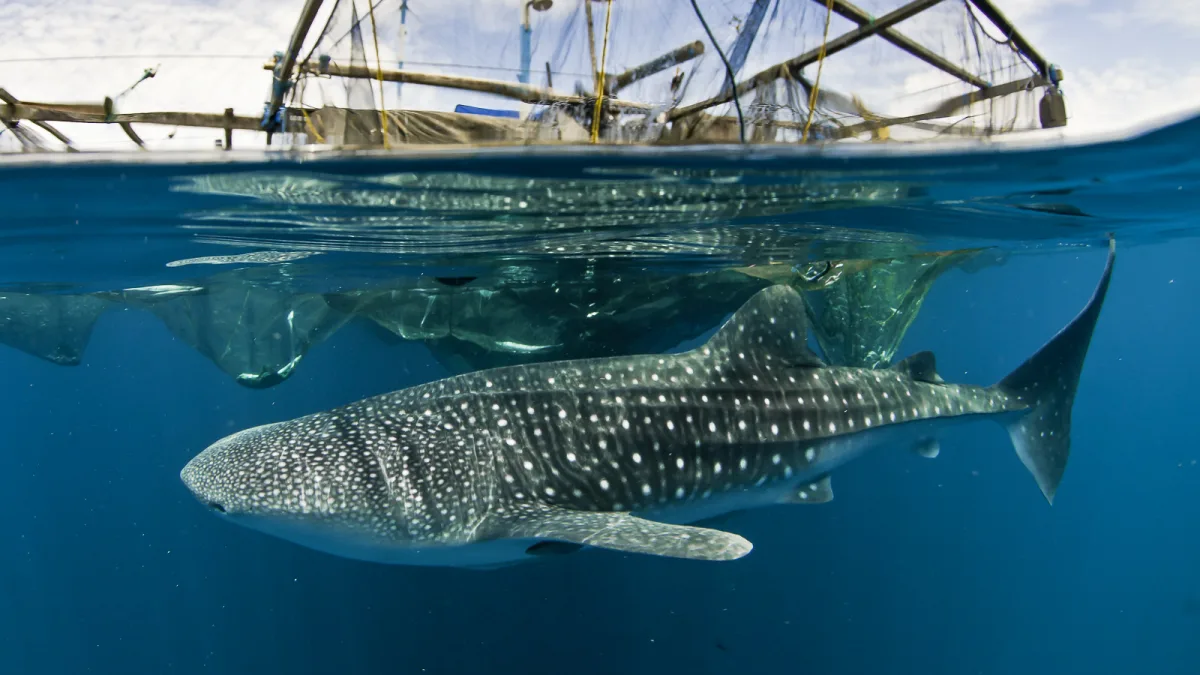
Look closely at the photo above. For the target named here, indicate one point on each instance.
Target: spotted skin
(616, 453)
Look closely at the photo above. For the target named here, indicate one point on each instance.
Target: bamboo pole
(78, 107)
(283, 75)
(657, 65)
(591, 34)
(128, 129)
(228, 129)
(55, 133)
(834, 46)
(46, 113)
(110, 108)
(799, 126)
(1010, 31)
(858, 16)
(514, 90)
(948, 107)
(11, 100)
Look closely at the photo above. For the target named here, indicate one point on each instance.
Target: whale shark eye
(216, 507)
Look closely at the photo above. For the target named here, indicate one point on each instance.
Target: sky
(1126, 64)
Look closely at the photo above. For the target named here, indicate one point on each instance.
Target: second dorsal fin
(921, 367)
(771, 326)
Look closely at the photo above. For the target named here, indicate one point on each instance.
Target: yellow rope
(311, 129)
(379, 69)
(812, 98)
(877, 133)
(600, 80)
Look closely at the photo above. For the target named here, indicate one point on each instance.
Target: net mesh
(658, 89)
(533, 70)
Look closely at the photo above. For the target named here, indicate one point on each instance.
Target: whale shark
(630, 454)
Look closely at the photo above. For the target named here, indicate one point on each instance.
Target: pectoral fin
(619, 532)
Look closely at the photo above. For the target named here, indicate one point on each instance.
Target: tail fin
(1047, 382)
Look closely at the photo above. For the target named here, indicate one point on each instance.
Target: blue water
(954, 566)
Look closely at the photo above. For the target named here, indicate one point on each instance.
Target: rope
(878, 133)
(311, 129)
(812, 98)
(379, 69)
(110, 57)
(146, 74)
(111, 102)
(600, 79)
(737, 104)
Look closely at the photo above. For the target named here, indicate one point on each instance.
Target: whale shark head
(297, 481)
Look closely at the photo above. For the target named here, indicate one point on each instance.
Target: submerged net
(502, 71)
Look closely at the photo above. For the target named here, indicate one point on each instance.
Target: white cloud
(1173, 14)
(1022, 12)
(1130, 92)
(177, 35)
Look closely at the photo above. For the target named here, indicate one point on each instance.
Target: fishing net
(646, 71)
(384, 72)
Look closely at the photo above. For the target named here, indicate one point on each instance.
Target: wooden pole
(591, 33)
(799, 126)
(674, 57)
(949, 107)
(283, 75)
(110, 109)
(834, 46)
(228, 129)
(10, 100)
(128, 129)
(45, 113)
(80, 107)
(858, 16)
(989, 10)
(514, 90)
(55, 133)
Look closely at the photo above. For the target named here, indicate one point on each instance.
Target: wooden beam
(832, 47)
(591, 34)
(128, 129)
(799, 126)
(949, 107)
(55, 133)
(283, 75)
(228, 129)
(78, 107)
(514, 90)
(11, 100)
(672, 58)
(858, 16)
(1010, 31)
(45, 113)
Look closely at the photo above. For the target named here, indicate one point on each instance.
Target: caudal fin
(1047, 382)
